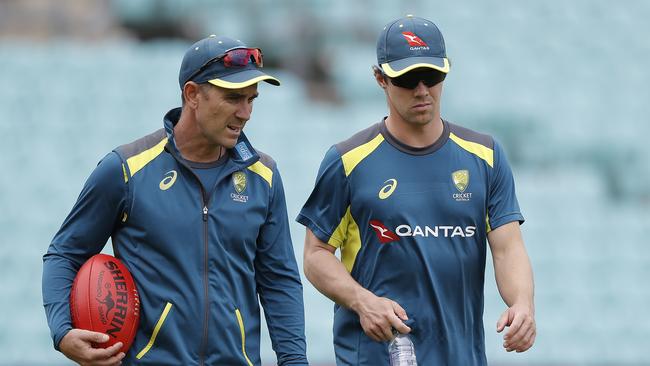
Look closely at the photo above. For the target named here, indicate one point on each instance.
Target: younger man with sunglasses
(199, 218)
(410, 202)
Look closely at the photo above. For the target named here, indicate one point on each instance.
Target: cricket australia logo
(239, 182)
(460, 178)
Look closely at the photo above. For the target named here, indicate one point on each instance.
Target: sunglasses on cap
(237, 57)
(411, 79)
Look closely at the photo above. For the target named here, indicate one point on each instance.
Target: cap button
(212, 35)
(409, 15)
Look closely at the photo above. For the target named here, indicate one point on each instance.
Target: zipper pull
(205, 213)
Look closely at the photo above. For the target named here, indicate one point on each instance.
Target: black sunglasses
(411, 79)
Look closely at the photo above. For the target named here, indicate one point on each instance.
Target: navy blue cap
(409, 43)
(217, 74)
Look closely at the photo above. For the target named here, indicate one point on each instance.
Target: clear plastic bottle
(402, 351)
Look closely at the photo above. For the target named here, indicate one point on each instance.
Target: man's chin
(421, 119)
(230, 144)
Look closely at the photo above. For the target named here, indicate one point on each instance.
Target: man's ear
(191, 91)
(379, 77)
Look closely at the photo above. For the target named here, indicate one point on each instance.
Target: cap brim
(400, 67)
(243, 79)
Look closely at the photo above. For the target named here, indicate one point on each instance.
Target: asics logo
(387, 189)
(168, 181)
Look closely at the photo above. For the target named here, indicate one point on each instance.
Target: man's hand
(378, 315)
(522, 330)
(77, 345)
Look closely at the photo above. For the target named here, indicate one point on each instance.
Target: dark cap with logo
(409, 43)
(216, 73)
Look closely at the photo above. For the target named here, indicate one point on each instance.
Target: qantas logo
(413, 40)
(445, 231)
(384, 235)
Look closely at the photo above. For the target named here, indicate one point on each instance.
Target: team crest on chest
(460, 178)
(239, 182)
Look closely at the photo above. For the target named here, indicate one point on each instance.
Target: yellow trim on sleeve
(137, 162)
(240, 321)
(348, 239)
(393, 73)
(479, 150)
(243, 84)
(263, 171)
(126, 177)
(487, 224)
(156, 329)
(355, 156)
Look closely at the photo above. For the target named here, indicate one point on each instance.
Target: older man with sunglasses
(198, 215)
(410, 202)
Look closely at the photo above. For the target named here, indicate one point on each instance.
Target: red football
(104, 299)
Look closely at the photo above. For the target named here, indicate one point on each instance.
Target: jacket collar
(242, 155)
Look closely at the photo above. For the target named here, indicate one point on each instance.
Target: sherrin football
(104, 299)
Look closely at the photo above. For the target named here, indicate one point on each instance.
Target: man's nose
(421, 89)
(244, 111)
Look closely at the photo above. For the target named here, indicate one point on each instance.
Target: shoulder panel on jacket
(476, 143)
(359, 146)
(142, 151)
(264, 167)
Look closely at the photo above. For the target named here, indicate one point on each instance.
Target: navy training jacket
(200, 256)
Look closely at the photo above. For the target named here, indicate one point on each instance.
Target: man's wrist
(526, 304)
(359, 299)
(58, 337)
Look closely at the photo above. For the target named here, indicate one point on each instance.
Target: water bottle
(402, 351)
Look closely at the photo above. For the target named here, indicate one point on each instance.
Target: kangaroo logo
(383, 233)
(109, 303)
(413, 40)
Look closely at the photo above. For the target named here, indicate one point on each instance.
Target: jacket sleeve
(278, 282)
(83, 234)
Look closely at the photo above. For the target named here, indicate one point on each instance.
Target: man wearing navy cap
(410, 203)
(199, 218)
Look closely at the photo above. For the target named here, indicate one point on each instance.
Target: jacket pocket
(156, 329)
(240, 321)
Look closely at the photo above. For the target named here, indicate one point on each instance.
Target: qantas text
(436, 231)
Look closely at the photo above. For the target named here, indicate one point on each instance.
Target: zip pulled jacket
(200, 256)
